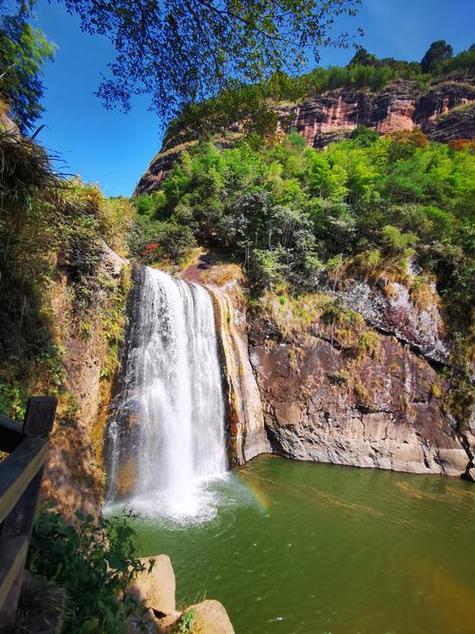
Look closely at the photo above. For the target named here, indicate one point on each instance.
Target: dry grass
(41, 606)
(423, 293)
(293, 315)
(223, 274)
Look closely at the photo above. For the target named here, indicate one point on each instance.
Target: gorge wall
(325, 402)
(446, 111)
(64, 283)
(352, 386)
(401, 106)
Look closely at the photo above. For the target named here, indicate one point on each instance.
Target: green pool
(300, 547)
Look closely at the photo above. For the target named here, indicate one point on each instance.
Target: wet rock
(244, 407)
(246, 433)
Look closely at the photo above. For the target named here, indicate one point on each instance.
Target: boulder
(150, 624)
(210, 617)
(156, 590)
(207, 617)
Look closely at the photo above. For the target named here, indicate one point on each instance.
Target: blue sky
(113, 149)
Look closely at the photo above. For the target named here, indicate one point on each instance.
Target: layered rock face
(362, 388)
(400, 107)
(381, 413)
(246, 420)
(445, 112)
(389, 307)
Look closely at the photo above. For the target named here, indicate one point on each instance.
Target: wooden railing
(20, 479)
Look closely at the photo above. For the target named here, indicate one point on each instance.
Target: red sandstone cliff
(446, 111)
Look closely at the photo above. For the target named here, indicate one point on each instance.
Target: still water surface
(304, 548)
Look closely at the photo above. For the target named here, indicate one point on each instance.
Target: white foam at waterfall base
(198, 504)
(174, 381)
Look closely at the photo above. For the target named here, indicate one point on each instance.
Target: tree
(181, 51)
(23, 51)
(363, 58)
(363, 136)
(438, 52)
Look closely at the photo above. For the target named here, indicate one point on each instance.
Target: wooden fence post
(39, 419)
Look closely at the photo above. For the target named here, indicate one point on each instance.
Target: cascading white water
(172, 400)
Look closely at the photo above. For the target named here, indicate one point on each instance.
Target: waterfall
(166, 439)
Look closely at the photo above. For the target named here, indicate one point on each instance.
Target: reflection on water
(305, 548)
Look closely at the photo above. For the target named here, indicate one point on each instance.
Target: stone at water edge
(148, 623)
(156, 590)
(210, 617)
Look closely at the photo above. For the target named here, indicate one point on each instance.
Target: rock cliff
(401, 106)
(444, 112)
(383, 411)
(74, 475)
(348, 376)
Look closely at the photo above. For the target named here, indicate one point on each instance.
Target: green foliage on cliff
(288, 211)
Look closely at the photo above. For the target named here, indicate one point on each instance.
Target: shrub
(462, 144)
(94, 561)
(364, 136)
(12, 399)
(368, 344)
(175, 240)
(397, 241)
(265, 270)
(186, 624)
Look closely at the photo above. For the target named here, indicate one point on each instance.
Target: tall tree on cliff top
(437, 53)
(23, 51)
(181, 51)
